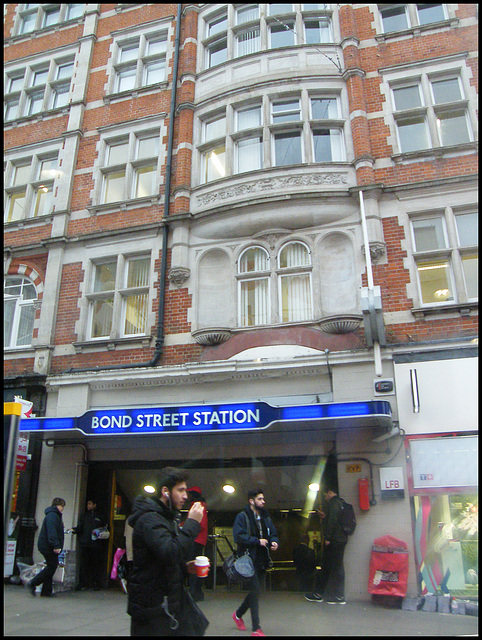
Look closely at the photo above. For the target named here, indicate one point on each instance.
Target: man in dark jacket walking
(330, 583)
(91, 550)
(161, 551)
(50, 543)
(254, 532)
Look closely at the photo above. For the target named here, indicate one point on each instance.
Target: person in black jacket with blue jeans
(50, 543)
(254, 532)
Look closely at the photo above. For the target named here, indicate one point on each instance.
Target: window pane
(126, 80)
(294, 254)
(317, 31)
(118, 153)
(65, 71)
(114, 186)
(467, 228)
(215, 164)
(145, 179)
(136, 314)
(217, 25)
(327, 145)
(470, 265)
(129, 52)
(287, 149)
(217, 53)
(435, 283)
(407, 97)
(148, 147)
(28, 23)
(21, 174)
(282, 36)
(286, 111)
(295, 298)
(40, 78)
(428, 13)
(276, 9)
(74, 11)
(452, 128)
(248, 42)
(105, 276)
(215, 129)
(15, 84)
(35, 103)
(16, 209)
(254, 302)
(138, 272)
(25, 325)
(11, 109)
(102, 317)
(156, 46)
(51, 17)
(245, 14)
(446, 90)
(9, 307)
(394, 19)
(249, 154)
(48, 169)
(43, 201)
(248, 118)
(61, 97)
(324, 108)
(155, 72)
(254, 260)
(428, 234)
(413, 134)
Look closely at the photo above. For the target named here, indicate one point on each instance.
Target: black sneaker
(336, 601)
(313, 597)
(31, 588)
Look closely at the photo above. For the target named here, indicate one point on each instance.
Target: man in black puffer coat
(161, 552)
(50, 543)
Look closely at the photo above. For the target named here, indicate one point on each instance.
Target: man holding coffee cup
(161, 555)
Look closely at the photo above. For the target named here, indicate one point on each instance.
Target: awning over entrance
(212, 418)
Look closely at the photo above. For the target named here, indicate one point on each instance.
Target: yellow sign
(353, 468)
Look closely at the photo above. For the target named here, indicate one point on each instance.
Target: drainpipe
(165, 229)
(371, 288)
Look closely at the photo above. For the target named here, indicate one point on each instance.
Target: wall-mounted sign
(354, 467)
(212, 418)
(391, 482)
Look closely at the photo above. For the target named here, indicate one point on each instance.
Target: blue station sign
(208, 418)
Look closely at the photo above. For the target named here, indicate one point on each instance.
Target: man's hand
(274, 546)
(196, 512)
(191, 567)
(263, 542)
(57, 550)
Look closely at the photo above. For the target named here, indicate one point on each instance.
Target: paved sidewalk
(103, 613)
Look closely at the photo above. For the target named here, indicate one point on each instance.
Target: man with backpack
(330, 582)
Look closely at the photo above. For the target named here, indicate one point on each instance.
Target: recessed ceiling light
(148, 488)
(228, 488)
(314, 486)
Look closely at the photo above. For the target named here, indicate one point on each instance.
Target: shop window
(118, 301)
(19, 296)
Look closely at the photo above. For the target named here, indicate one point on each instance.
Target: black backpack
(347, 518)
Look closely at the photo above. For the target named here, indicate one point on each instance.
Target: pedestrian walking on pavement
(196, 583)
(254, 532)
(330, 581)
(50, 543)
(161, 555)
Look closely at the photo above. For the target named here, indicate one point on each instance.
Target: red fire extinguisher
(363, 494)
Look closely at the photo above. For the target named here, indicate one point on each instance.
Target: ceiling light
(228, 488)
(148, 488)
(314, 486)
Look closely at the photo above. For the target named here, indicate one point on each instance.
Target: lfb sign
(391, 478)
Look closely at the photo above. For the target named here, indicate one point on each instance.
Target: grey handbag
(238, 569)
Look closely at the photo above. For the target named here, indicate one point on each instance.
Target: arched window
(295, 295)
(253, 274)
(19, 311)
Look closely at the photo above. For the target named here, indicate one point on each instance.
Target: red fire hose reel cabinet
(388, 567)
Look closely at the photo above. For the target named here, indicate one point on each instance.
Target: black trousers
(330, 581)
(45, 576)
(153, 627)
(91, 562)
(195, 583)
(255, 584)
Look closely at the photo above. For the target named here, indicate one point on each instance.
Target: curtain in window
(25, 327)
(296, 298)
(254, 302)
(136, 314)
(248, 42)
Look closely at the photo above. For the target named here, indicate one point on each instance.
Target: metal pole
(11, 418)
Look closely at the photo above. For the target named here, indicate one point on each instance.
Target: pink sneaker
(258, 632)
(239, 622)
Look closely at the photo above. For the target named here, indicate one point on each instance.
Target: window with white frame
(247, 142)
(241, 30)
(431, 111)
(119, 297)
(30, 186)
(130, 169)
(287, 288)
(42, 16)
(19, 296)
(398, 17)
(38, 88)
(446, 255)
(140, 61)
